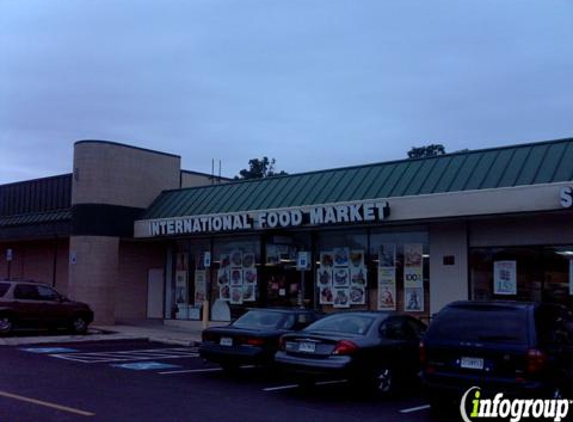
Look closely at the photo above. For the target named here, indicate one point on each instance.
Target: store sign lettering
(566, 197)
(318, 215)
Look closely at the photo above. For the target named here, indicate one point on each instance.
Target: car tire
(383, 381)
(6, 324)
(79, 324)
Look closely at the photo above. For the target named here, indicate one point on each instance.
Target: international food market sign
(347, 213)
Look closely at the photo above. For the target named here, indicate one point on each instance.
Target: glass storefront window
(536, 273)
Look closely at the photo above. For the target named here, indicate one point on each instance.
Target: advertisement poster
(200, 287)
(326, 295)
(249, 292)
(341, 277)
(222, 277)
(250, 276)
(413, 277)
(225, 262)
(249, 260)
(387, 255)
(505, 277)
(181, 286)
(225, 292)
(341, 298)
(356, 258)
(387, 289)
(326, 260)
(357, 295)
(358, 276)
(236, 295)
(341, 256)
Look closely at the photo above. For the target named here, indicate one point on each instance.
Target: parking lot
(145, 381)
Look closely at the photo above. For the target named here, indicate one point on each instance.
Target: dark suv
(28, 304)
(519, 349)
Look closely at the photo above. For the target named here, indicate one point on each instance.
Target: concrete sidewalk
(187, 333)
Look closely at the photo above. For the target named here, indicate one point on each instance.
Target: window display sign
(386, 300)
(200, 287)
(341, 278)
(413, 277)
(237, 277)
(505, 278)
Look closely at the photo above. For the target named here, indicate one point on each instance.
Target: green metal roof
(518, 165)
(36, 218)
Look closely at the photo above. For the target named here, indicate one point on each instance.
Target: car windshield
(480, 324)
(265, 319)
(345, 324)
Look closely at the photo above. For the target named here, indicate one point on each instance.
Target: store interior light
(426, 255)
(565, 253)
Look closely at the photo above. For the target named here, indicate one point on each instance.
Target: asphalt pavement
(139, 380)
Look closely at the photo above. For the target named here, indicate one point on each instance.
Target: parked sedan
(253, 338)
(379, 349)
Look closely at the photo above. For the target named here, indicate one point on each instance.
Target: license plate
(226, 341)
(472, 363)
(306, 347)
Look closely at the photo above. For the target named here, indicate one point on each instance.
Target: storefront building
(409, 235)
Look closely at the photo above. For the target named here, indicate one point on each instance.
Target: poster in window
(341, 277)
(223, 277)
(225, 292)
(326, 295)
(236, 259)
(413, 277)
(414, 299)
(356, 258)
(236, 277)
(324, 277)
(249, 260)
(236, 293)
(326, 260)
(357, 295)
(505, 277)
(386, 289)
(387, 255)
(200, 287)
(225, 261)
(358, 276)
(249, 292)
(341, 256)
(181, 287)
(341, 298)
(250, 276)
(571, 277)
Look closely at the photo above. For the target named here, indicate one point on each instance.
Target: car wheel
(6, 324)
(384, 381)
(79, 324)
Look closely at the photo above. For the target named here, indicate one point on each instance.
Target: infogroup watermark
(514, 410)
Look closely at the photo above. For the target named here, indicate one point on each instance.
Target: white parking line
(415, 409)
(331, 382)
(282, 387)
(189, 371)
(46, 404)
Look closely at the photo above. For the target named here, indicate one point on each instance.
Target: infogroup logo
(513, 409)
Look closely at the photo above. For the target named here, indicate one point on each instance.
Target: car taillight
(344, 347)
(422, 352)
(536, 361)
(255, 341)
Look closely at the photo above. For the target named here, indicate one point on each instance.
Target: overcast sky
(314, 83)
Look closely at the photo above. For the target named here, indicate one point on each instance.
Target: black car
(520, 349)
(378, 349)
(253, 338)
